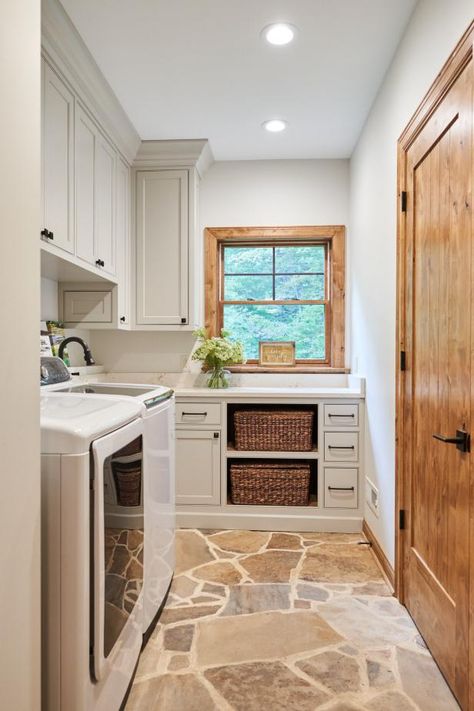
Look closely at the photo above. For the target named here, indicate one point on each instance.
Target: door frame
(453, 67)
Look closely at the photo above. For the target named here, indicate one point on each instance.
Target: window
(278, 284)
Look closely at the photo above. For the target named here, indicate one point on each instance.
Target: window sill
(255, 368)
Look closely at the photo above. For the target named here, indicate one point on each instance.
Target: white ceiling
(199, 69)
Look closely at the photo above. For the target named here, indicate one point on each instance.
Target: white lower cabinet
(205, 452)
(198, 466)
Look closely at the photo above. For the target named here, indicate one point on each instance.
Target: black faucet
(74, 339)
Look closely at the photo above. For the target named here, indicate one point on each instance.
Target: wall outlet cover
(372, 496)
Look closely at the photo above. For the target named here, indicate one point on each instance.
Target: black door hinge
(403, 201)
(403, 360)
(401, 519)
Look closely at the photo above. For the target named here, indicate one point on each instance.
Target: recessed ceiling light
(279, 33)
(274, 125)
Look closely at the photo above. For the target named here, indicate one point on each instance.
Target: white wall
(49, 299)
(19, 299)
(275, 192)
(431, 35)
(238, 193)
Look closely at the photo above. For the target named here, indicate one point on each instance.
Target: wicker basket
(128, 480)
(270, 483)
(274, 430)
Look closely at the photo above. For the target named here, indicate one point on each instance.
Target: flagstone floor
(286, 622)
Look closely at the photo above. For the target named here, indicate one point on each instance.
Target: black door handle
(341, 488)
(333, 446)
(462, 440)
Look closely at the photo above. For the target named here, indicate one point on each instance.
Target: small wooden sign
(276, 353)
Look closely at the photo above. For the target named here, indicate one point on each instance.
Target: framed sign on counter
(276, 353)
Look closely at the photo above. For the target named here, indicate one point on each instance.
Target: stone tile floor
(286, 622)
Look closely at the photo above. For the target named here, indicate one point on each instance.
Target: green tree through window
(276, 293)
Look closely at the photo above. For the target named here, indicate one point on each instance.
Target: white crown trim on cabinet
(186, 153)
(64, 47)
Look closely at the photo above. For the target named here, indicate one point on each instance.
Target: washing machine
(158, 412)
(92, 535)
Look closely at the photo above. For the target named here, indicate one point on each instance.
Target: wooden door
(198, 467)
(162, 247)
(436, 275)
(57, 159)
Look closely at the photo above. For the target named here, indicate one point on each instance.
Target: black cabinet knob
(184, 319)
(47, 234)
(99, 263)
(122, 319)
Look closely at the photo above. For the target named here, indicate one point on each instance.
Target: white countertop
(268, 392)
(192, 385)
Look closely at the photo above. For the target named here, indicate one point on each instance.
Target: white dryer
(92, 549)
(158, 411)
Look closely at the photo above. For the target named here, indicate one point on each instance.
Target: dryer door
(117, 547)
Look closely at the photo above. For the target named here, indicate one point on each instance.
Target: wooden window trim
(333, 235)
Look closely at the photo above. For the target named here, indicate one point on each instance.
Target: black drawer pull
(330, 414)
(198, 414)
(333, 446)
(47, 234)
(341, 488)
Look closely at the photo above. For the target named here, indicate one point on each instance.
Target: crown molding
(186, 153)
(64, 48)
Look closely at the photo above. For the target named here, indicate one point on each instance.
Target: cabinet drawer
(198, 413)
(341, 415)
(341, 446)
(340, 488)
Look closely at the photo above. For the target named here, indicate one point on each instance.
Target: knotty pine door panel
(437, 385)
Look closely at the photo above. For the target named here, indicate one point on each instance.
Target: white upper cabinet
(122, 232)
(162, 247)
(95, 194)
(57, 161)
(104, 192)
(85, 135)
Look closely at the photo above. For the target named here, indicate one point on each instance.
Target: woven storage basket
(270, 483)
(274, 430)
(128, 482)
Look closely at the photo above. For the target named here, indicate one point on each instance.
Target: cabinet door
(122, 235)
(162, 247)
(85, 137)
(104, 193)
(198, 457)
(57, 155)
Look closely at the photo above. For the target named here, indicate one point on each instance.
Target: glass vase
(218, 377)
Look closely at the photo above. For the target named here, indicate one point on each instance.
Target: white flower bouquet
(216, 353)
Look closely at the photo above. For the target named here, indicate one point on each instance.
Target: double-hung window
(278, 284)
